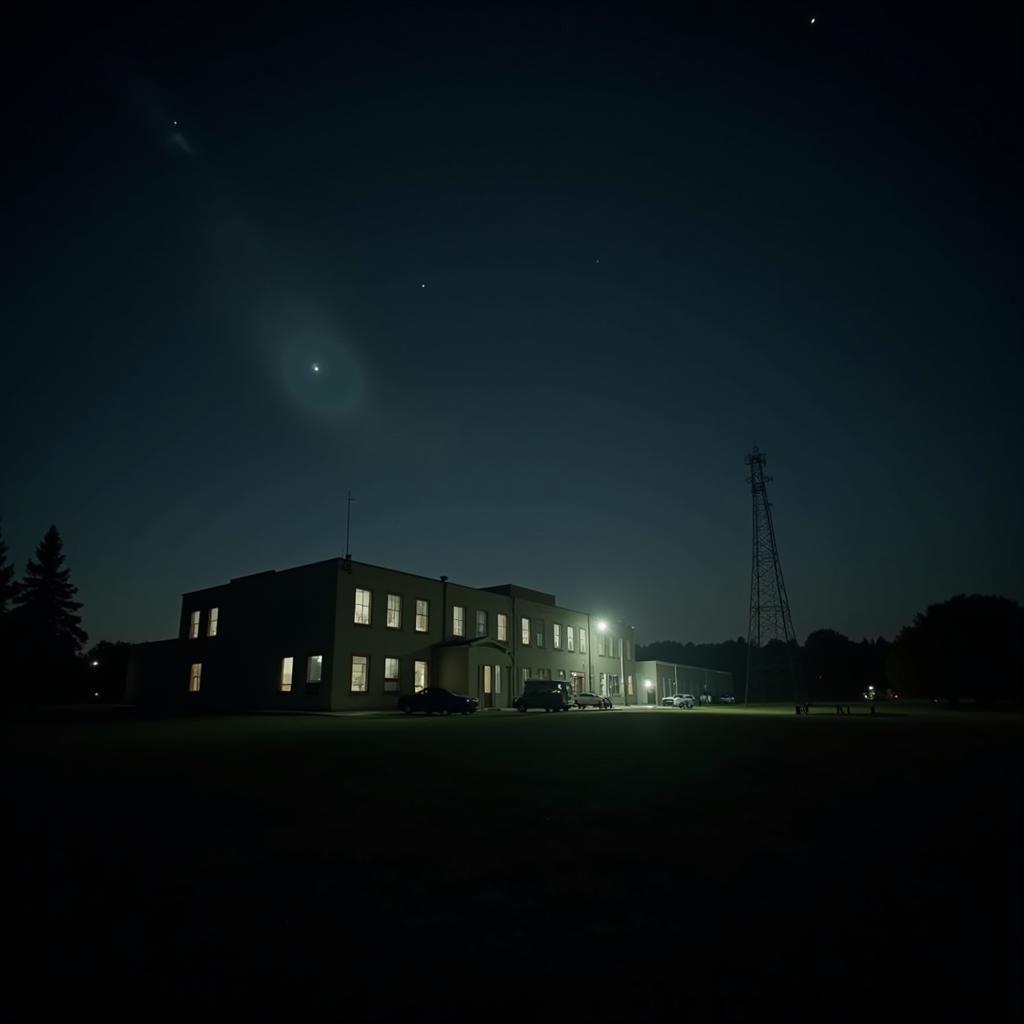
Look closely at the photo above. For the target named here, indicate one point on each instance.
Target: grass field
(715, 864)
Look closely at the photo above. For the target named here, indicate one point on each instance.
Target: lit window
(314, 668)
(419, 676)
(359, 673)
(487, 678)
(556, 637)
(629, 685)
(193, 626)
(422, 615)
(194, 675)
(390, 675)
(561, 673)
(362, 616)
(525, 632)
(538, 632)
(285, 681)
(481, 623)
(604, 684)
(570, 638)
(583, 641)
(211, 622)
(394, 620)
(497, 679)
(458, 621)
(526, 674)
(502, 626)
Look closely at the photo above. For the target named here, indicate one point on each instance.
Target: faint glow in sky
(331, 385)
(180, 143)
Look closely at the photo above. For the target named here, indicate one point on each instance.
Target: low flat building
(659, 679)
(341, 635)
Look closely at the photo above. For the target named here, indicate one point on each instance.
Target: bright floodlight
(602, 626)
(648, 683)
(316, 367)
(95, 663)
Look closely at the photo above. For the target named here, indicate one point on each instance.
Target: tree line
(970, 647)
(42, 643)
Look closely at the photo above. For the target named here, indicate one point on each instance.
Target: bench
(842, 707)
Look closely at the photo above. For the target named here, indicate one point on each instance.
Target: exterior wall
(377, 641)
(540, 659)
(668, 678)
(155, 673)
(261, 620)
(311, 610)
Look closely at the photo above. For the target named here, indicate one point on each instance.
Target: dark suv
(549, 694)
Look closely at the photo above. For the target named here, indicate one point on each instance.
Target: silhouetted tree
(969, 646)
(47, 628)
(831, 666)
(8, 585)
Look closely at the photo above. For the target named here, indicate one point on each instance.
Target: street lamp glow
(648, 683)
(95, 664)
(602, 626)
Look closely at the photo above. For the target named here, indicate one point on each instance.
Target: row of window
(363, 611)
(530, 632)
(490, 676)
(211, 623)
(360, 675)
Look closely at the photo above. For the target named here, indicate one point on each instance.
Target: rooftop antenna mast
(348, 534)
(771, 621)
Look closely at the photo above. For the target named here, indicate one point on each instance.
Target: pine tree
(45, 608)
(8, 586)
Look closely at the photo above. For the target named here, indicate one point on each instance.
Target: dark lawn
(716, 864)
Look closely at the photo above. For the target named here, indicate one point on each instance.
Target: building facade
(660, 679)
(342, 635)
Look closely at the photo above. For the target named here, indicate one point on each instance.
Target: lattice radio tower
(770, 617)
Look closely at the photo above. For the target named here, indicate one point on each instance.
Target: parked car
(727, 698)
(679, 700)
(435, 699)
(549, 694)
(592, 700)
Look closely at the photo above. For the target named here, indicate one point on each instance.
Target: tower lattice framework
(771, 639)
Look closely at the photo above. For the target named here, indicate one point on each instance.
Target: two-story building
(344, 635)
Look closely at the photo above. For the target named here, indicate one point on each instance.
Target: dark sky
(647, 242)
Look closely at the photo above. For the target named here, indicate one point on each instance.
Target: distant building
(659, 679)
(343, 635)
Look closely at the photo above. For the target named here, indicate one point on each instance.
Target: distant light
(423, 286)
(95, 664)
(648, 683)
(95, 693)
(602, 625)
(175, 124)
(316, 367)
(813, 20)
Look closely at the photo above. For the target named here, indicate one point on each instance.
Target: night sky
(560, 267)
